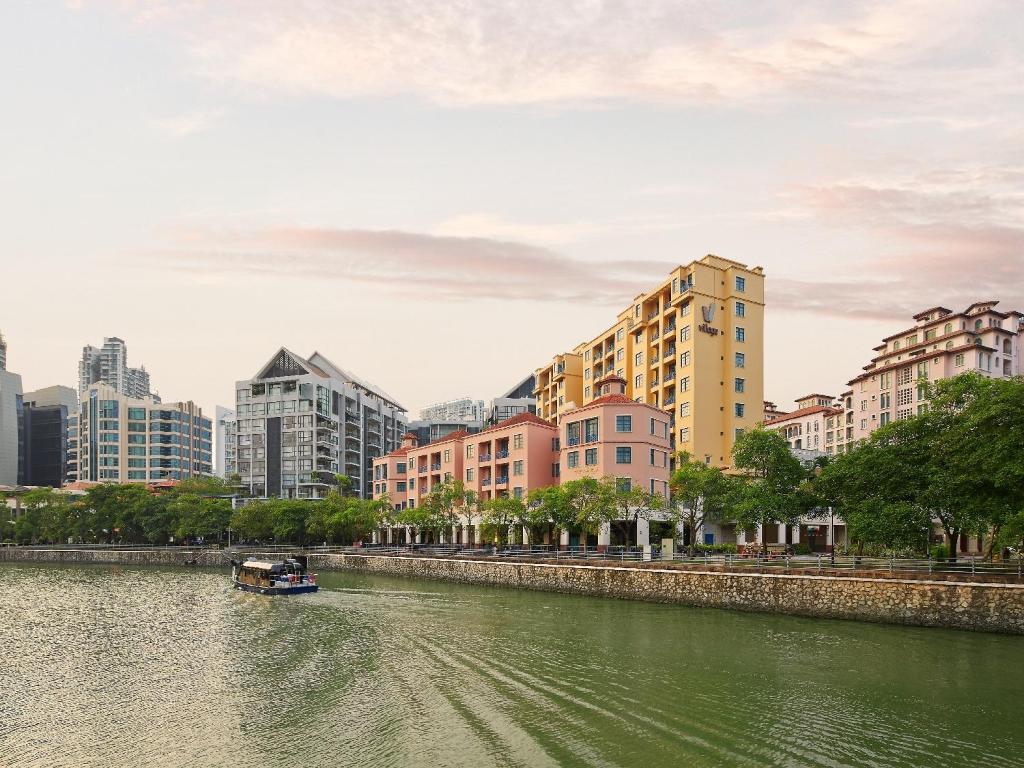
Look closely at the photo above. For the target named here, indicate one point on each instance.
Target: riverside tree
(765, 493)
(700, 495)
(592, 503)
(632, 504)
(550, 504)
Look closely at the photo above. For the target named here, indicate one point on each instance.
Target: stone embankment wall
(170, 557)
(958, 605)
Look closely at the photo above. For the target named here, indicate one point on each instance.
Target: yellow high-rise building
(693, 346)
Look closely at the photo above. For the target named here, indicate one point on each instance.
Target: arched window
(948, 328)
(977, 324)
(1007, 347)
(949, 345)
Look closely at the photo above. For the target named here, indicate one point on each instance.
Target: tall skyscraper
(47, 415)
(109, 365)
(226, 443)
(3, 353)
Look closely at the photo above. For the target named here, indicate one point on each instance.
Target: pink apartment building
(941, 344)
(614, 436)
(805, 428)
(511, 458)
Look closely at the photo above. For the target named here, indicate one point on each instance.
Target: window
(517, 441)
(684, 333)
(741, 283)
(590, 457)
(469, 474)
(447, 455)
(469, 451)
(619, 334)
(517, 492)
(675, 285)
(619, 353)
(684, 435)
(739, 409)
(623, 454)
(741, 334)
(623, 423)
(639, 359)
(517, 467)
(684, 359)
(884, 418)
(960, 361)
(738, 384)
(590, 431)
(638, 382)
(586, 392)
(741, 309)
(684, 409)
(684, 383)
(741, 359)
(623, 484)
(572, 459)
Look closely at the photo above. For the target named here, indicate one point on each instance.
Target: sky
(440, 196)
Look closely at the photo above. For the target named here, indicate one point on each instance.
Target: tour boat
(284, 577)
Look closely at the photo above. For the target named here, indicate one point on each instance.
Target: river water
(103, 666)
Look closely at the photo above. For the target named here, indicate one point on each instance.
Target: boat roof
(261, 565)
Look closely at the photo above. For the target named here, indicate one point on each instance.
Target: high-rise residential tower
(121, 439)
(301, 422)
(226, 444)
(109, 365)
(693, 346)
(11, 423)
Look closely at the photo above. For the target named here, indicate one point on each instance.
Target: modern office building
(940, 344)
(303, 421)
(226, 442)
(11, 425)
(121, 439)
(109, 365)
(692, 346)
(3, 353)
(47, 415)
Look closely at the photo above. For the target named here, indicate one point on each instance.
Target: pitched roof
(615, 397)
(801, 412)
(519, 418)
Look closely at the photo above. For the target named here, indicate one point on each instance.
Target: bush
(715, 549)
(940, 551)
(801, 549)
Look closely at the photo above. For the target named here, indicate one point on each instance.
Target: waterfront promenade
(987, 600)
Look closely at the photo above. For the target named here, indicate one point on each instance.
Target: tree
(254, 521)
(700, 495)
(551, 505)
(498, 514)
(445, 501)
(765, 493)
(633, 504)
(592, 503)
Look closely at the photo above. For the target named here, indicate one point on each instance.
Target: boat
(282, 577)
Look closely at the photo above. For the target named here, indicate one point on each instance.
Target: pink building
(805, 429)
(511, 458)
(614, 436)
(941, 344)
(432, 464)
(391, 474)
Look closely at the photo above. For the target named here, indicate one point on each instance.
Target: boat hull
(299, 589)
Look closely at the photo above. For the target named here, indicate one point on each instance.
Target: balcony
(503, 480)
(485, 481)
(485, 457)
(573, 441)
(502, 454)
(435, 467)
(422, 470)
(655, 334)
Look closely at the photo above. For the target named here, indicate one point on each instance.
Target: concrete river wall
(985, 607)
(971, 605)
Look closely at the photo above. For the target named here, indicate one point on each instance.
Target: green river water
(109, 666)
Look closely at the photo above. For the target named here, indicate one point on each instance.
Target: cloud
(180, 126)
(950, 236)
(410, 264)
(537, 52)
(488, 225)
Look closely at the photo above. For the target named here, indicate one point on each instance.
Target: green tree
(700, 495)
(254, 521)
(592, 503)
(632, 504)
(498, 515)
(445, 503)
(766, 492)
(550, 505)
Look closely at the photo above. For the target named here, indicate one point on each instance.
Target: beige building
(940, 344)
(692, 346)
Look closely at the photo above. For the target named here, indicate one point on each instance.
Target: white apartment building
(302, 421)
(10, 425)
(226, 443)
(460, 409)
(121, 439)
(940, 344)
(109, 365)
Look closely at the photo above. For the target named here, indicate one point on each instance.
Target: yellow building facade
(692, 346)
